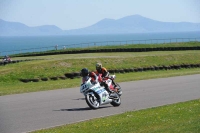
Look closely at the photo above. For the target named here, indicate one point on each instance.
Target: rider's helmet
(84, 72)
(98, 66)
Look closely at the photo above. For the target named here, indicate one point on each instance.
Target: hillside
(129, 24)
(19, 29)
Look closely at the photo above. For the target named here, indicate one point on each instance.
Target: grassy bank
(111, 45)
(61, 64)
(179, 118)
(17, 87)
(58, 65)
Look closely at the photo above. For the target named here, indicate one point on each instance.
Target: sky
(75, 14)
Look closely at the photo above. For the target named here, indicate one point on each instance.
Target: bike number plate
(84, 88)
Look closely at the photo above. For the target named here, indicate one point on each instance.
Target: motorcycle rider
(104, 74)
(94, 79)
(86, 74)
(101, 70)
(7, 58)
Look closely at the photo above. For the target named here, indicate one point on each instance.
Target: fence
(104, 43)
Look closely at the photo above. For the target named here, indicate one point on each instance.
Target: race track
(33, 111)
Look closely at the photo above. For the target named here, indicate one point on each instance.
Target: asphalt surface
(33, 111)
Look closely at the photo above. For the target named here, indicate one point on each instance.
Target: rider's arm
(96, 72)
(105, 72)
(94, 77)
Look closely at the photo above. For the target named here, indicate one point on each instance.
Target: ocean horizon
(22, 44)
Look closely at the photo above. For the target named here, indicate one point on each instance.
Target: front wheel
(92, 101)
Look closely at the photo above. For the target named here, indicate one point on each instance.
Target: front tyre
(92, 101)
(116, 102)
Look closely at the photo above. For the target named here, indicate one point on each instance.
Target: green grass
(7, 88)
(143, 45)
(112, 45)
(58, 65)
(175, 118)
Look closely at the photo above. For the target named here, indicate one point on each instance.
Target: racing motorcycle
(96, 95)
(111, 83)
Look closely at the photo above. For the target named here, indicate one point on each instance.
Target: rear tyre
(116, 102)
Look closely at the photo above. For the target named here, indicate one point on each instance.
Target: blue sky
(73, 14)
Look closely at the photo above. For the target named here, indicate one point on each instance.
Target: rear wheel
(92, 101)
(116, 102)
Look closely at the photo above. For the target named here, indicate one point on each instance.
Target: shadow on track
(79, 99)
(81, 109)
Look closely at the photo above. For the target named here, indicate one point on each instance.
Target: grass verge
(121, 46)
(58, 65)
(7, 88)
(175, 118)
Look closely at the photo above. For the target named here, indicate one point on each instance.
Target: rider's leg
(107, 88)
(113, 82)
(111, 94)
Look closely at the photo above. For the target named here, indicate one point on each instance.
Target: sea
(24, 44)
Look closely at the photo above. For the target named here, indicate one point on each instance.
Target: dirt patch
(65, 64)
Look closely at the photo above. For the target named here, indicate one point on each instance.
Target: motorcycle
(96, 95)
(111, 83)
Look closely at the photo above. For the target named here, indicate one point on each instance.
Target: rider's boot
(113, 96)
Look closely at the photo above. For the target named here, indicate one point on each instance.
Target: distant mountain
(129, 24)
(19, 29)
(135, 24)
